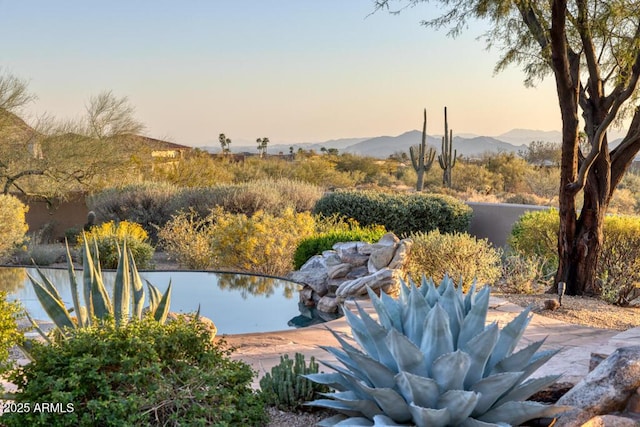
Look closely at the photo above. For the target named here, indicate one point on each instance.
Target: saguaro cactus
(447, 160)
(421, 158)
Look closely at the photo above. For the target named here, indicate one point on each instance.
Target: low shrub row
(400, 213)
(535, 234)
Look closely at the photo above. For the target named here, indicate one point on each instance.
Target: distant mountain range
(467, 145)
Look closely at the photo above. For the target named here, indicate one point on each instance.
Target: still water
(237, 303)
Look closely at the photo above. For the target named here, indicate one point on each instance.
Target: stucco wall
(494, 221)
(57, 217)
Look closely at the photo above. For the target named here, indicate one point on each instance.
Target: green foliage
(143, 374)
(511, 169)
(340, 232)
(127, 301)
(13, 226)
(438, 255)
(285, 387)
(429, 359)
(262, 243)
(9, 333)
(535, 235)
(399, 213)
(110, 236)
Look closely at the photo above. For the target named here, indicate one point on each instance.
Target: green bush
(400, 213)
(186, 238)
(285, 388)
(535, 235)
(142, 373)
(12, 224)
(435, 255)
(9, 333)
(323, 241)
(109, 238)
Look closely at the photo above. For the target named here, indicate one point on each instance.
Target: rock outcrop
(349, 268)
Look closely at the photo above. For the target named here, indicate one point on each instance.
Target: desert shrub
(345, 231)
(110, 237)
(186, 238)
(523, 275)
(40, 254)
(522, 199)
(285, 388)
(619, 263)
(320, 171)
(535, 234)
(399, 213)
(197, 170)
(147, 204)
(12, 224)
(436, 254)
(139, 373)
(262, 243)
(471, 177)
(9, 333)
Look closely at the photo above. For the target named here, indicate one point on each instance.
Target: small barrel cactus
(430, 360)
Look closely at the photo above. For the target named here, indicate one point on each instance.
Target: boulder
(380, 258)
(365, 249)
(604, 390)
(389, 239)
(401, 254)
(327, 304)
(610, 421)
(375, 281)
(354, 259)
(339, 270)
(315, 278)
(357, 272)
(346, 248)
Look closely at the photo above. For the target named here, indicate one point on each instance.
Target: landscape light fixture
(562, 286)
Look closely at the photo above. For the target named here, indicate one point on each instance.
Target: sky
(291, 70)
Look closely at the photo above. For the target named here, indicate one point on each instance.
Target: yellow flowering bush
(109, 235)
(186, 238)
(12, 224)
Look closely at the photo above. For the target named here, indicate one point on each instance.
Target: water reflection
(255, 285)
(12, 279)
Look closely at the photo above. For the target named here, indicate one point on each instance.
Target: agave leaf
(492, 388)
(429, 417)
(121, 289)
(528, 389)
(470, 297)
(368, 408)
(331, 379)
(52, 306)
(343, 342)
(377, 334)
(101, 304)
(475, 320)
(154, 296)
(432, 296)
(378, 374)
(403, 297)
(538, 360)
(509, 337)
(384, 315)
(394, 309)
(471, 422)
(452, 304)
(519, 359)
(413, 321)
(450, 370)
(162, 311)
(38, 330)
(437, 336)
(422, 391)
(48, 285)
(73, 282)
(87, 278)
(355, 421)
(480, 349)
(444, 284)
(353, 378)
(138, 289)
(383, 420)
(392, 404)
(516, 413)
(408, 357)
(460, 404)
(332, 421)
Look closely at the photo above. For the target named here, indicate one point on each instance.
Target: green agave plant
(128, 294)
(430, 360)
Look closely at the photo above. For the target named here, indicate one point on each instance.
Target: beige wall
(57, 217)
(494, 221)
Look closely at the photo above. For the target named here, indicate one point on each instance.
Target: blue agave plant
(429, 360)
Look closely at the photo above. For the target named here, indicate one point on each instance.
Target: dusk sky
(290, 70)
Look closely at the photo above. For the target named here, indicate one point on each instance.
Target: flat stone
(380, 257)
(346, 247)
(316, 278)
(339, 270)
(355, 259)
(357, 272)
(402, 254)
(375, 281)
(365, 249)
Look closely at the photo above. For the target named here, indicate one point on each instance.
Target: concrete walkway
(262, 350)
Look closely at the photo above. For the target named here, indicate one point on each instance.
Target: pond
(237, 303)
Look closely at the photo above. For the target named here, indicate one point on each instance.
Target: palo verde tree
(50, 158)
(592, 48)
